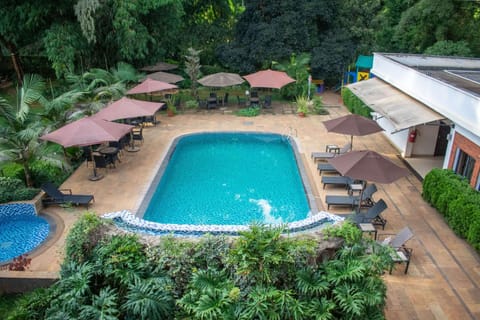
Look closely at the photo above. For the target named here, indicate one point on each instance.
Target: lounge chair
(326, 167)
(337, 181)
(373, 215)
(333, 152)
(57, 196)
(402, 254)
(352, 201)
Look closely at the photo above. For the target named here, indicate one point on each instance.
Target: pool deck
(444, 275)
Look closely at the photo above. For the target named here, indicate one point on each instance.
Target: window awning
(402, 111)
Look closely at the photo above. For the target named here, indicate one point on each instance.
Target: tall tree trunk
(17, 65)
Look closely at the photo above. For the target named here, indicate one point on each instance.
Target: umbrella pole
(360, 198)
(95, 176)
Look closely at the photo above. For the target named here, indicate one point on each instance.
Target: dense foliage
(239, 35)
(262, 274)
(457, 201)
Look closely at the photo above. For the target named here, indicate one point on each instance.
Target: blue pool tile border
(130, 222)
(17, 209)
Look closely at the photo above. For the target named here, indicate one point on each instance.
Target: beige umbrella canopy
(352, 124)
(150, 85)
(165, 77)
(268, 79)
(221, 79)
(160, 66)
(126, 108)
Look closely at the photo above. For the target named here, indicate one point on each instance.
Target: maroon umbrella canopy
(128, 108)
(352, 124)
(150, 85)
(369, 166)
(87, 131)
(268, 79)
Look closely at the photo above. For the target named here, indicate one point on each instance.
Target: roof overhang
(402, 110)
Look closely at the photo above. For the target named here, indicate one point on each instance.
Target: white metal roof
(402, 111)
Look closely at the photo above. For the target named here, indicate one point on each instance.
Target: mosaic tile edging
(125, 218)
(17, 209)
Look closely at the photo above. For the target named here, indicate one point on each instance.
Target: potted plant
(302, 106)
(171, 109)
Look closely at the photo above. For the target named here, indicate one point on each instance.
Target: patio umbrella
(126, 108)
(165, 77)
(367, 165)
(352, 124)
(268, 79)
(87, 132)
(160, 66)
(150, 85)
(221, 79)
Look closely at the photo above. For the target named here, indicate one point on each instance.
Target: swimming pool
(262, 207)
(21, 230)
(228, 178)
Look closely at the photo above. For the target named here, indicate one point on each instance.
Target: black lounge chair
(57, 196)
(352, 201)
(402, 254)
(326, 167)
(373, 215)
(333, 152)
(337, 181)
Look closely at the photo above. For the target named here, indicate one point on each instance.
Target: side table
(368, 228)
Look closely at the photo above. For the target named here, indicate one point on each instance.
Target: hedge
(457, 201)
(354, 104)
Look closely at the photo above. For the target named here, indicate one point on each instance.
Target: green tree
(21, 125)
(272, 30)
(192, 68)
(449, 48)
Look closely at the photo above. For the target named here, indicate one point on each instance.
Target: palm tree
(20, 127)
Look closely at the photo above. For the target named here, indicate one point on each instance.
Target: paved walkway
(444, 276)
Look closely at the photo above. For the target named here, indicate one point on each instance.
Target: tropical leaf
(104, 306)
(149, 299)
(311, 283)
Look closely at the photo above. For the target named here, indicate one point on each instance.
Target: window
(464, 164)
(477, 186)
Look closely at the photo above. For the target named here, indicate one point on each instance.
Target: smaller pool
(21, 230)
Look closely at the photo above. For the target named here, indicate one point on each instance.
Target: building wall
(469, 147)
(426, 140)
(459, 106)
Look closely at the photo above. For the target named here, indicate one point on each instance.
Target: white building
(428, 106)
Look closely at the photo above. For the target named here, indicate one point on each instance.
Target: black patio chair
(373, 215)
(401, 254)
(353, 201)
(137, 135)
(53, 195)
(103, 162)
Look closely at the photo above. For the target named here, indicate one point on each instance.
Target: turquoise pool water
(21, 230)
(228, 179)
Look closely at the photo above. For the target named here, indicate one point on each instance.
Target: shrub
(46, 172)
(453, 197)
(354, 104)
(83, 237)
(191, 104)
(248, 112)
(13, 170)
(318, 106)
(12, 189)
